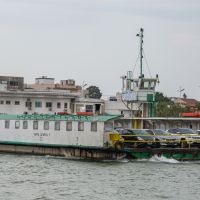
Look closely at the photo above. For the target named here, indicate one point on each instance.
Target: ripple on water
(33, 177)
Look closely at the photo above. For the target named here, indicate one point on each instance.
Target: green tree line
(167, 108)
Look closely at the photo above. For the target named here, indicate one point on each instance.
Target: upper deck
(100, 118)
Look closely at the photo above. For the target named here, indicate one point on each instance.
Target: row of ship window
(57, 126)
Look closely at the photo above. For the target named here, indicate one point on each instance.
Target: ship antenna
(141, 49)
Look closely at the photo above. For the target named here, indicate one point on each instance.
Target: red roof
(190, 102)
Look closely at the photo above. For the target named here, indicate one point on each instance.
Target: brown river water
(26, 177)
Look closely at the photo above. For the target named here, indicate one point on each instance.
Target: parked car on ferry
(198, 132)
(164, 137)
(186, 134)
(136, 137)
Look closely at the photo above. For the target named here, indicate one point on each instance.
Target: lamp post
(83, 90)
(180, 90)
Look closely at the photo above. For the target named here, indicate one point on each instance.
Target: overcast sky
(94, 41)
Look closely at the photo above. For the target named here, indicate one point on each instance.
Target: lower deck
(91, 153)
(182, 154)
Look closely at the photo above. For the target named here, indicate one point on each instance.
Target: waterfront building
(185, 102)
(11, 83)
(45, 97)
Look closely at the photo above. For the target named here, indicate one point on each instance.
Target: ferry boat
(75, 136)
(86, 134)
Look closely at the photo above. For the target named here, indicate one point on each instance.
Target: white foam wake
(163, 159)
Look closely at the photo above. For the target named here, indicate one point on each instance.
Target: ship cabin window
(38, 104)
(17, 103)
(80, 126)
(144, 84)
(7, 123)
(152, 85)
(68, 126)
(17, 124)
(25, 124)
(89, 108)
(94, 126)
(1, 102)
(58, 105)
(35, 125)
(148, 84)
(57, 125)
(135, 84)
(108, 126)
(8, 102)
(46, 125)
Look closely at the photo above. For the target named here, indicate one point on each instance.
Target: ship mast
(139, 91)
(141, 49)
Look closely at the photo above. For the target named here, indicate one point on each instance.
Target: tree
(94, 92)
(159, 97)
(198, 106)
(167, 108)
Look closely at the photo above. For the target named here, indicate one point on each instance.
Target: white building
(30, 102)
(45, 97)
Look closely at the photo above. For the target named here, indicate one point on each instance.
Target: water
(49, 178)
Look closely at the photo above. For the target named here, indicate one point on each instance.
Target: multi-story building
(45, 97)
(11, 83)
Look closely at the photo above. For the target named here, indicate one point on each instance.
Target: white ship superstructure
(56, 130)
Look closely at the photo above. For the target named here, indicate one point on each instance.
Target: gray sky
(95, 41)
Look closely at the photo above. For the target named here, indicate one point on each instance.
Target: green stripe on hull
(176, 156)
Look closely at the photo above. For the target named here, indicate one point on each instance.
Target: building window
(17, 124)
(48, 104)
(46, 125)
(94, 126)
(17, 103)
(80, 126)
(8, 102)
(58, 105)
(38, 104)
(1, 102)
(57, 125)
(7, 123)
(65, 105)
(78, 107)
(25, 124)
(35, 125)
(68, 126)
(28, 104)
(13, 83)
(89, 108)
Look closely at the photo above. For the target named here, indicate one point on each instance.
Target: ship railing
(117, 138)
(53, 117)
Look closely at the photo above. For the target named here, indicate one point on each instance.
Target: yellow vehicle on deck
(132, 138)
